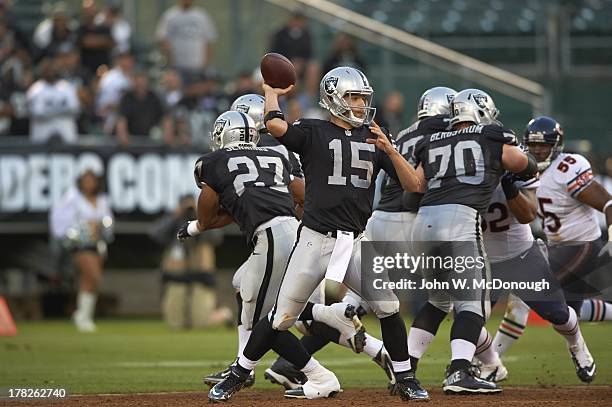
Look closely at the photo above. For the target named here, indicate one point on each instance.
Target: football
(277, 71)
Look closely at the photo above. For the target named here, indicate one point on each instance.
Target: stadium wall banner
(140, 182)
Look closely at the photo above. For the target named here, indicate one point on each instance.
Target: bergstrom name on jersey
(447, 134)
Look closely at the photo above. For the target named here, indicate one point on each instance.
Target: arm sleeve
(297, 137)
(501, 135)
(205, 174)
(577, 175)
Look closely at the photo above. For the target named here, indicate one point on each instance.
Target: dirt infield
(515, 396)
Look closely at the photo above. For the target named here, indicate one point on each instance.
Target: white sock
(86, 304)
(372, 346)
(596, 310)
(462, 349)
(402, 366)
(484, 351)
(418, 341)
(311, 366)
(243, 338)
(247, 363)
(570, 330)
(512, 325)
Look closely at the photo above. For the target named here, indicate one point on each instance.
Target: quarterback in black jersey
(392, 219)
(340, 158)
(462, 167)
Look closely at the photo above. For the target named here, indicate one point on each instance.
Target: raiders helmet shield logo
(480, 100)
(330, 84)
(219, 126)
(243, 108)
(450, 98)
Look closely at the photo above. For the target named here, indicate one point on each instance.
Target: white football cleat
(321, 384)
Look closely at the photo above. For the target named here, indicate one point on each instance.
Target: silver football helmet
(473, 105)
(345, 81)
(252, 105)
(435, 101)
(232, 129)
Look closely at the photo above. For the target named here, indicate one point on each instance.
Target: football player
(340, 158)
(516, 256)
(252, 186)
(567, 199)
(463, 168)
(392, 219)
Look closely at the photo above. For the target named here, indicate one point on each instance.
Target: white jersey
(564, 217)
(504, 236)
(73, 210)
(53, 109)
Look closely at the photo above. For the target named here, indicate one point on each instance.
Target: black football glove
(508, 185)
(182, 233)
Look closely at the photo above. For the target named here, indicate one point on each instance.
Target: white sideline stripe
(219, 363)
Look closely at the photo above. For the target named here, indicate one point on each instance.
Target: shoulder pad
(500, 135)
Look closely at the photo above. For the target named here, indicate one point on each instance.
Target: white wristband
(192, 229)
(606, 206)
(610, 233)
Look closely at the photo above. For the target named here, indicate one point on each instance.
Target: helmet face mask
(435, 101)
(337, 89)
(252, 105)
(542, 132)
(473, 106)
(233, 129)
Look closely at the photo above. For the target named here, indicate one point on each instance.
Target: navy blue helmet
(545, 130)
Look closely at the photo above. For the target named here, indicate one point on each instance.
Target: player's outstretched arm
(518, 162)
(276, 126)
(209, 213)
(522, 204)
(408, 177)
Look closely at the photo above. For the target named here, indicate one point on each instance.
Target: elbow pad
(530, 171)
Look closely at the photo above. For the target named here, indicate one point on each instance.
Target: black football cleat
(466, 381)
(226, 388)
(285, 374)
(409, 388)
(215, 378)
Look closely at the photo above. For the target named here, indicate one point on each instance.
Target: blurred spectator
(16, 76)
(204, 101)
(293, 41)
(70, 69)
(187, 35)
(344, 53)
(82, 222)
(176, 123)
(243, 85)
(53, 105)
(113, 84)
(189, 299)
(140, 110)
(95, 40)
(390, 115)
(54, 32)
(7, 40)
(19, 36)
(120, 27)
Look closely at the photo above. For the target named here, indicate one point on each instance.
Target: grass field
(127, 356)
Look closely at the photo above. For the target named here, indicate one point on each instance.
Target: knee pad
(384, 309)
(283, 324)
(557, 317)
(429, 318)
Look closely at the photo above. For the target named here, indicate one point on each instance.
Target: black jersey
(251, 183)
(393, 197)
(268, 140)
(340, 170)
(463, 167)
